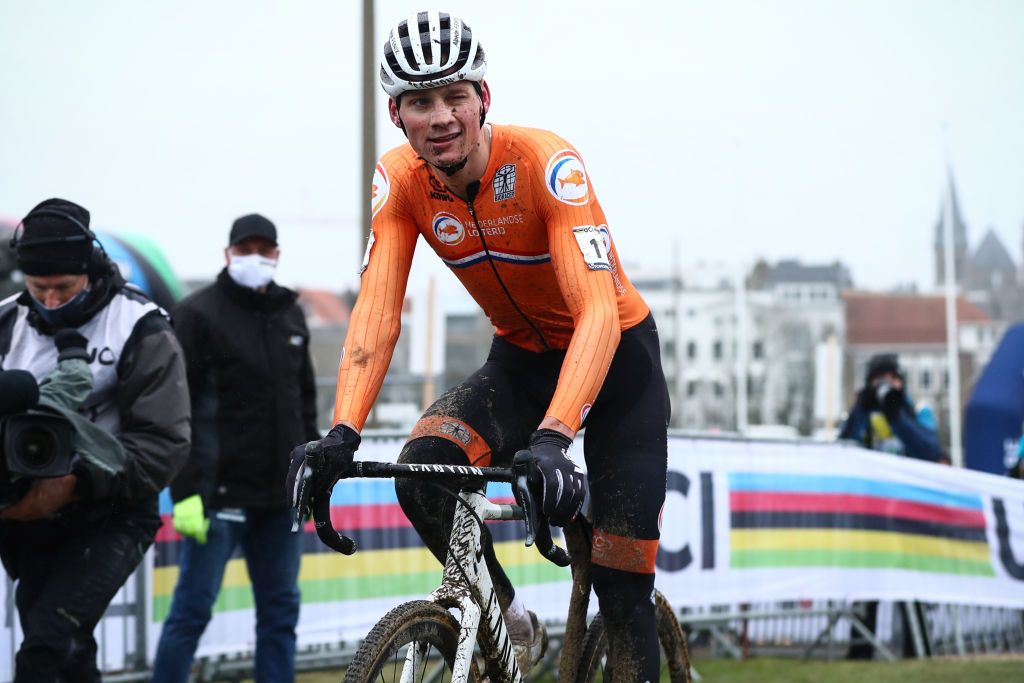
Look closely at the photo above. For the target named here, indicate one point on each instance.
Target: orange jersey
(534, 228)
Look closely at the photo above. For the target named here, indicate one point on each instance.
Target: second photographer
(72, 539)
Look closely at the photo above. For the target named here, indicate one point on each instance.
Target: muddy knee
(428, 508)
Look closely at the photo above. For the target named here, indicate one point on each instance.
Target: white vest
(107, 332)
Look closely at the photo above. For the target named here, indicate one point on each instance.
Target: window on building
(926, 379)
(691, 387)
(758, 350)
(670, 348)
(718, 389)
(716, 350)
(691, 349)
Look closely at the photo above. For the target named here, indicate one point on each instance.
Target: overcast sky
(722, 131)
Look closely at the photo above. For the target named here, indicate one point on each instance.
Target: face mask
(66, 313)
(252, 270)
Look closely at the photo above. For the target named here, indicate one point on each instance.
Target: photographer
(883, 418)
(72, 540)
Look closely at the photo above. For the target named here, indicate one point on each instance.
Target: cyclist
(512, 212)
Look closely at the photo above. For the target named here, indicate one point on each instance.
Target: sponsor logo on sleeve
(505, 183)
(448, 229)
(566, 178)
(381, 189)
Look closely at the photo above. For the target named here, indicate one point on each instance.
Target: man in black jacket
(72, 540)
(253, 397)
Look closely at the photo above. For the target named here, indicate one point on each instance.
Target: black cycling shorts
(491, 415)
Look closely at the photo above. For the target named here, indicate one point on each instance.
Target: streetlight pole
(952, 337)
(369, 125)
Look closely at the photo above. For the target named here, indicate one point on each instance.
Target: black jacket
(253, 392)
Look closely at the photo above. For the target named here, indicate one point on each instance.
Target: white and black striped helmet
(430, 49)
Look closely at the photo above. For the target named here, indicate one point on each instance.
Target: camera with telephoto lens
(882, 390)
(33, 443)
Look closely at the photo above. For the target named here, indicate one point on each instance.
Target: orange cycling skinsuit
(534, 250)
(535, 230)
(514, 215)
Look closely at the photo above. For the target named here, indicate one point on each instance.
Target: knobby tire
(381, 656)
(674, 657)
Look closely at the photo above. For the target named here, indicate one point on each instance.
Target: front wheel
(421, 635)
(675, 660)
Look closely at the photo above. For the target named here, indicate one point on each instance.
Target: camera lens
(36, 447)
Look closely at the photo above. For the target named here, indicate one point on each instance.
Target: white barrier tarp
(744, 521)
(761, 522)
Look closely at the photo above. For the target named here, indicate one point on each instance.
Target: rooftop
(902, 318)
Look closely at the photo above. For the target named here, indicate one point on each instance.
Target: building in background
(466, 344)
(988, 276)
(960, 251)
(786, 312)
(993, 280)
(913, 326)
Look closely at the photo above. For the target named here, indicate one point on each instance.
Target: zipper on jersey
(471, 191)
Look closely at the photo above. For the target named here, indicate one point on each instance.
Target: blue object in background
(995, 411)
(130, 267)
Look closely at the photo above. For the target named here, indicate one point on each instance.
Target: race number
(591, 242)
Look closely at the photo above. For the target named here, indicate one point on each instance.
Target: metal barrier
(824, 629)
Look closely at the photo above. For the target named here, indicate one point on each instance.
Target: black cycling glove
(558, 479)
(315, 467)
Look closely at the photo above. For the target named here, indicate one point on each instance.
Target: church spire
(959, 236)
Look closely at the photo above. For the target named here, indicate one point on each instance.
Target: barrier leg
(825, 633)
(914, 625)
(719, 637)
(866, 633)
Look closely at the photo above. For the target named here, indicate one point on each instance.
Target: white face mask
(252, 270)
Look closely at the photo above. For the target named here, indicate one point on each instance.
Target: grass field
(777, 670)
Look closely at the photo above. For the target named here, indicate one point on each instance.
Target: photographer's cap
(253, 225)
(882, 364)
(54, 239)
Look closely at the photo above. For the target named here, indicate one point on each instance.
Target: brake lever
(525, 501)
(538, 530)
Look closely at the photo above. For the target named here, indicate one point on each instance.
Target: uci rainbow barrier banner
(749, 521)
(744, 521)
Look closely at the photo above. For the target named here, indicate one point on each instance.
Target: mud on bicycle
(422, 640)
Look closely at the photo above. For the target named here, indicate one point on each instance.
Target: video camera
(33, 443)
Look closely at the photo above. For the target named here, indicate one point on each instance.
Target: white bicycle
(422, 640)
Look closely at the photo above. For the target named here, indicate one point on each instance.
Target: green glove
(189, 519)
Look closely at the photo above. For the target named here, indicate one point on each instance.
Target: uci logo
(104, 356)
(448, 229)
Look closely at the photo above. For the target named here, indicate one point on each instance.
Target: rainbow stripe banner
(391, 560)
(749, 521)
(744, 522)
(800, 520)
(344, 596)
